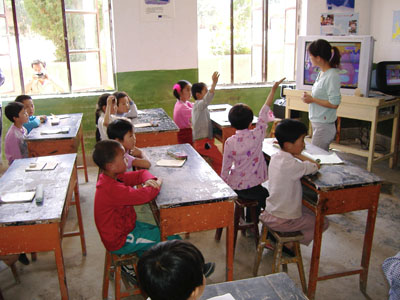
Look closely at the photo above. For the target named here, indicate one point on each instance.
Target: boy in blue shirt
(34, 121)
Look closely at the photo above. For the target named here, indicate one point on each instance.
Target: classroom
(144, 48)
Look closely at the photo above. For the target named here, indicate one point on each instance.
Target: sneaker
(208, 269)
(23, 259)
(129, 273)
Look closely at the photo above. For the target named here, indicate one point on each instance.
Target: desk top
(219, 114)
(73, 121)
(276, 286)
(194, 183)
(156, 115)
(331, 177)
(55, 186)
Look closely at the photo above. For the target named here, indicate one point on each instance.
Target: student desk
(337, 189)
(276, 286)
(165, 133)
(192, 198)
(359, 108)
(60, 143)
(30, 227)
(220, 122)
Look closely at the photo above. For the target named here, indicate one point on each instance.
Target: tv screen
(393, 74)
(349, 64)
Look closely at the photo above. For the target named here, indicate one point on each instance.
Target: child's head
(108, 155)
(123, 102)
(199, 90)
(290, 135)
(240, 116)
(321, 48)
(122, 131)
(26, 100)
(16, 113)
(181, 90)
(172, 270)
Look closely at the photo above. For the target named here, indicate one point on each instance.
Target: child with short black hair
(183, 111)
(105, 114)
(173, 270)
(15, 144)
(34, 121)
(243, 167)
(284, 210)
(123, 131)
(203, 140)
(125, 105)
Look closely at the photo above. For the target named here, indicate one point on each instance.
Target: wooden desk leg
(368, 237)
(229, 252)
(395, 138)
(79, 215)
(84, 157)
(60, 269)
(372, 141)
(314, 264)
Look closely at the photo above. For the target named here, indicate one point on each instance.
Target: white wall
(381, 29)
(160, 45)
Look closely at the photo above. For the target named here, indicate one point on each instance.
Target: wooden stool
(239, 220)
(281, 239)
(112, 264)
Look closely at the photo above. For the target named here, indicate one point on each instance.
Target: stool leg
(33, 256)
(254, 220)
(277, 257)
(106, 275)
(218, 233)
(238, 212)
(15, 273)
(260, 249)
(300, 266)
(284, 268)
(242, 216)
(117, 282)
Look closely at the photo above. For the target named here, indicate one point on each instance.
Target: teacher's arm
(307, 98)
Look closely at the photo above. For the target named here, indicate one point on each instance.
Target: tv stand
(359, 108)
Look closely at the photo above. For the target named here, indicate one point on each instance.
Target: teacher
(325, 95)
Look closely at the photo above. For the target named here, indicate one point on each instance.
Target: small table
(60, 143)
(276, 286)
(337, 189)
(221, 125)
(31, 227)
(165, 133)
(192, 198)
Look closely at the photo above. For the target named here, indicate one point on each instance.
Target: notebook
(17, 197)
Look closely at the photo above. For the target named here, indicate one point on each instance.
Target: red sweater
(114, 213)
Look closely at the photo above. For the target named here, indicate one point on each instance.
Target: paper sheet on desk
(55, 131)
(142, 125)
(17, 197)
(330, 159)
(222, 297)
(170, 163)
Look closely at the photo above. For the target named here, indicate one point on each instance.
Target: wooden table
(30, 227)
(337, 189)
(276, 286)
(359, 108)
(221, 125)
(52, 144)
(165, 133)
(192, 198)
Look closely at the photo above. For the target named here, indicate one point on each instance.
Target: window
(55, 46)
(247, 41)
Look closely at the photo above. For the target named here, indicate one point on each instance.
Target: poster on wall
(340, 5)
(396, 26)
(157, 10)
(339, 24)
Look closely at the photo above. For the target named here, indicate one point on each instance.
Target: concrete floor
(341, 246)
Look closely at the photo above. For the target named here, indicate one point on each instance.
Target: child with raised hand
(123, 131)
(33, 121)
(105, 114)
(183, 111)
(284, 210)
(243, 167)
(203, 140)
(15, 144)
(173, 270)
(115, 198)
(125, 106)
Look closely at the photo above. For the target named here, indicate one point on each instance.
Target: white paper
(142, 125)
(330, 159)
(170, 163)
(222, 297)
(55, 130)
(17, 197)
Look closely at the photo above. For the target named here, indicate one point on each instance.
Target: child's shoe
(23, 259)
(208, 269)
(129, 273)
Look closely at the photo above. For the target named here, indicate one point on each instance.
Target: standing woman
(325, 96)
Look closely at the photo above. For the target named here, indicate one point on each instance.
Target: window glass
(82, 31)
(86, 5)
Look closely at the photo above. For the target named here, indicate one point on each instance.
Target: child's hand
(277, 83)
(153, 183)
(307, 98)
(43, 119)
(110, 100)
(215, 77)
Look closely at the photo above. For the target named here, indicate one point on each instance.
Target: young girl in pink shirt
(183, 111)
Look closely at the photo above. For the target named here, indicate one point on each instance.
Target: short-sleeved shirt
(15, 145)
(201, 121)
(32, 123)
(183, 114)
(326, 87)
(102, 128)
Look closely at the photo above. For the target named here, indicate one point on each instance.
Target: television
(388, 77)
(355, 64)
